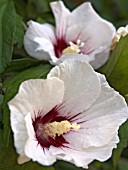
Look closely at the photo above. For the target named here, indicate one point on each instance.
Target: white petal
(44, 45)
(99, 58)
(33, 149)
(37, 153)
(102, 120)
(19, 129)
(82, 85)
(61, 14)
(126, 27)
(78, 57)
(53, 60)
(85, 24)
(33, 96)
(82, 157)
(29, 126)
(109, 101)
(37, 43)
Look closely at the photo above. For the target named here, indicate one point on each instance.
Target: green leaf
(61, 165)
(19, 34)
(116, 69)
(8, 161)
(44, 5)
(1, 102)
(123, 133)
(1, 99)
(19, 65)
(97, 165)
(1, 125)
(12, 88)
(123, 164)
(122, 4)
(1, 138)
(7, 32)
(73, 4)
(46, 18)
(21, 7)
(116, 156)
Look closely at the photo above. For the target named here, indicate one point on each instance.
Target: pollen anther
(59, 128)
(73, 48)
(121, 32)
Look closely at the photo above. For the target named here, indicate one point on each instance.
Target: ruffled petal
(93, 30)
(82, 85)
(85, 24)
(33, 96)
(37, 43)
(82, 157)
(101, 122)
(61, 14)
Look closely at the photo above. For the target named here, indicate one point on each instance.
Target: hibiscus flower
(73, 115)
(81, 31)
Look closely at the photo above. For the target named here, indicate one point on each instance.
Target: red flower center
(60, 46)
(41, 136)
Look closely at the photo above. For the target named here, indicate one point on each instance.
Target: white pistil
(78, 41)
(73, 48)
(59, 128)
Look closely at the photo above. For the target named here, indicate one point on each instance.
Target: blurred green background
(115, 11)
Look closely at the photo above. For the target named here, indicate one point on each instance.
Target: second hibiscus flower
(73, 115)
(82, 31)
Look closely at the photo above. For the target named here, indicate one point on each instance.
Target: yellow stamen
(115, 41)
(59, 128)
(73, 48)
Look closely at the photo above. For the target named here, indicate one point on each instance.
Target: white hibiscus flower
(73, 115)
(81, 31)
